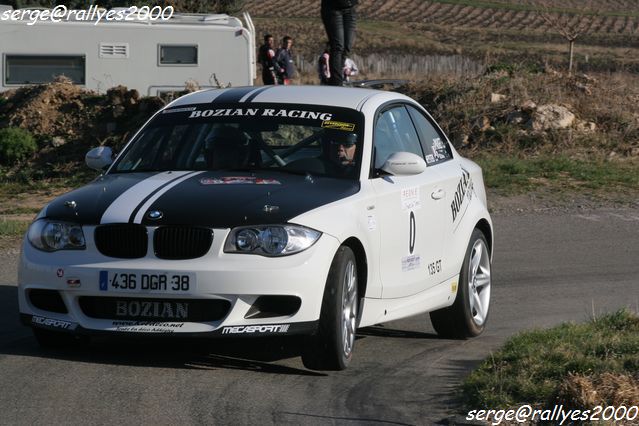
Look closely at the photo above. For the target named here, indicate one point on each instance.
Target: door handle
(438, 194)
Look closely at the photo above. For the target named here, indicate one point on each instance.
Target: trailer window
(37, 69)
(178, 55)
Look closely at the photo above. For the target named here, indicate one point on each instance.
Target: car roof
(346, 97)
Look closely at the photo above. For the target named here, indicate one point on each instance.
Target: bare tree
(571, 25)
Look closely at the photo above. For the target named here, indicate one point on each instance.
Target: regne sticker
(338, 125)
(410, 198)
(239, 180)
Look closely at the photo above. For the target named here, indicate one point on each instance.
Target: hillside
(612, 16)
(483, 30)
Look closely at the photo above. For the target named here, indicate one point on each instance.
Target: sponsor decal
(151, 309)
(270, 209)
(464, 190)
(185, 109)
(430, 159)
(261, 112)
(338, 125)
(372, 223)
(251, 329)
(146, 326)
(74, 282)
(411, 262)
(60, 273)
(410, 198)
(439, 150)
(239, 180)
(50, 322)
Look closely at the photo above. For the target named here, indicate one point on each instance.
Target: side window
(435, 147)
(394, 132)
(177, 54)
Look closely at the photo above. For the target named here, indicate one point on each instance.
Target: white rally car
(267, 211)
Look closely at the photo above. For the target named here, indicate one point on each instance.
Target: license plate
(147, 282)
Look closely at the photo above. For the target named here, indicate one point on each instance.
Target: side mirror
(404, 164)
(99, 158)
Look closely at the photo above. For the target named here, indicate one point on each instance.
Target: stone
(586, 126)
(528, 106)
(497, 97)
(482, 123)
(118, 111)
(57, 141)
(551, 116)
(515, 117)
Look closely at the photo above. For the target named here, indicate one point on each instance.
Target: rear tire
(468, 314)
(55, 340)
(331, 348)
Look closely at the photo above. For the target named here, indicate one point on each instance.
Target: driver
(343, 149)
(226, 148)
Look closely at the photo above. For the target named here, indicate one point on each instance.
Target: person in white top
(350, 69)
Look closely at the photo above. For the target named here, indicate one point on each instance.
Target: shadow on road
(381, 331)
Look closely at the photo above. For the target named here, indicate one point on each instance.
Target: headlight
(51, 236)
(270, 240)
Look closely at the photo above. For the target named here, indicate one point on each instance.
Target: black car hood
(212, 199)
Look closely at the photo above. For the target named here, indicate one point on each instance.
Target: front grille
(47, 300)
(167, 310)
(181, 242)
(123, 240)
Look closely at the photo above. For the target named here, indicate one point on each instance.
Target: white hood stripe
(121, 209)
(140, 215)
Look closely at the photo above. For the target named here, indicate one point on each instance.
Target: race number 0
(411, 233)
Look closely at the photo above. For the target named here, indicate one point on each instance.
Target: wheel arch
(487, 230)
(362, 263)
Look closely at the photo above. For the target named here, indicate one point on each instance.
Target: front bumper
(238, 279)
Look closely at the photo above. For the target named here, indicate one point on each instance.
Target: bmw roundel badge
(154, 214)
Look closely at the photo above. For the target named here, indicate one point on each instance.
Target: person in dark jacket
(266, 58)
(323, 66)
(285, 66)
(339, 19)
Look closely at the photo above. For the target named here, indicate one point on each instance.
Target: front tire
(331, 348)
(468, 315)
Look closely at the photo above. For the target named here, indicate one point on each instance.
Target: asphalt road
(548, 268)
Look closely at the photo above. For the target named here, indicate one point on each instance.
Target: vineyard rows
(616, 16)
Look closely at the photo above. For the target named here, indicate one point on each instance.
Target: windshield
(319, 140)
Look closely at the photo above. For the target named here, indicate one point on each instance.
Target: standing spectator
(284, 62)
(350, 69)
(266, 58)
(323, 67)
(339, 18)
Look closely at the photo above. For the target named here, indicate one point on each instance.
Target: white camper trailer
(150, 56)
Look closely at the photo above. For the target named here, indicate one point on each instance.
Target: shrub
(15, 145)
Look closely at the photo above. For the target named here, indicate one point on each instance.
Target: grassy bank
(579, 365)
(513, 175)
(13, 228)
